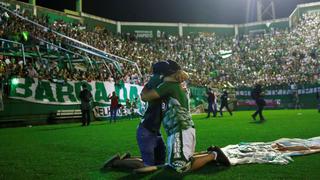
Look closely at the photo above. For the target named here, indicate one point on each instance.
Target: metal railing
(20, 44)
(103, 55)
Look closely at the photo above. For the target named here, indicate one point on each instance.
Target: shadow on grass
(130, 175)
(214, 117)
(210, 169)
(69, 127)
(60, 128)
(168, 173)
(257, 122)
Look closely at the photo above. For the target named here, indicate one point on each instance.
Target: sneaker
(221, 157)
(110, 161)
(210, 148)
(253, 117)
(125, 156)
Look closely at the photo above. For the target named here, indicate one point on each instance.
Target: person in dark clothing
(297, 104)
(256, 94)
(212, 107)
(149, 138)
(129, 109)
(85, 97)
(150, 141)
(224, 103)
(318, 98)
(114, 106)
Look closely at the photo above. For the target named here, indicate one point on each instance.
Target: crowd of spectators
(275, 58)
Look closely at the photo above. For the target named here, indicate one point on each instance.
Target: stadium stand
(279, 58)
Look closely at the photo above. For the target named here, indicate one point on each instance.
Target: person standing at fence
(224, 102)
(212, 107)
(114, 106)
(85, 97)
(257, 95)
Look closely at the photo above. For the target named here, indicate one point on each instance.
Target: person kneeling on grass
(178, 124)
(150, 141)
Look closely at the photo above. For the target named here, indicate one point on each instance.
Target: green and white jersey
(177, 116)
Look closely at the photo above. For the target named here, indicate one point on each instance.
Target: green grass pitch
(69, 151)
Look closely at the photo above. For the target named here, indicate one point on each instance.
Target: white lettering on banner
(103, 112)
(46, 92)
(281, 92)
(21, 90)
(143, 34)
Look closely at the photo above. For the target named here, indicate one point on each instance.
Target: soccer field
(69, 151)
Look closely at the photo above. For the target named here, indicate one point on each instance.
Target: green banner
(67, 93)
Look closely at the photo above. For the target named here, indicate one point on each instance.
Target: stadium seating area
(278, 58)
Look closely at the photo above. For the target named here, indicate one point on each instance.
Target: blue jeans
(212, 107)
(85, 117)
(113, 115)
(152, 147)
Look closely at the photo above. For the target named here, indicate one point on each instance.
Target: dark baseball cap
(173, 68)
(160, 67)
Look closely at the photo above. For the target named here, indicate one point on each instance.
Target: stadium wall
(149, 29)
(218, 29)
(265, 26)
(95, 21)
(17, 107)
(308, 8)
(181, 29)
(53, 15)
(32, 97)
(282, 94)
(12, 4)
(56, 15)
(301, 9)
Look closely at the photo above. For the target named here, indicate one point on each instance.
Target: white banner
(67, 93)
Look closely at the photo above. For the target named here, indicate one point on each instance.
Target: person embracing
(149, 138)
(178, 124)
